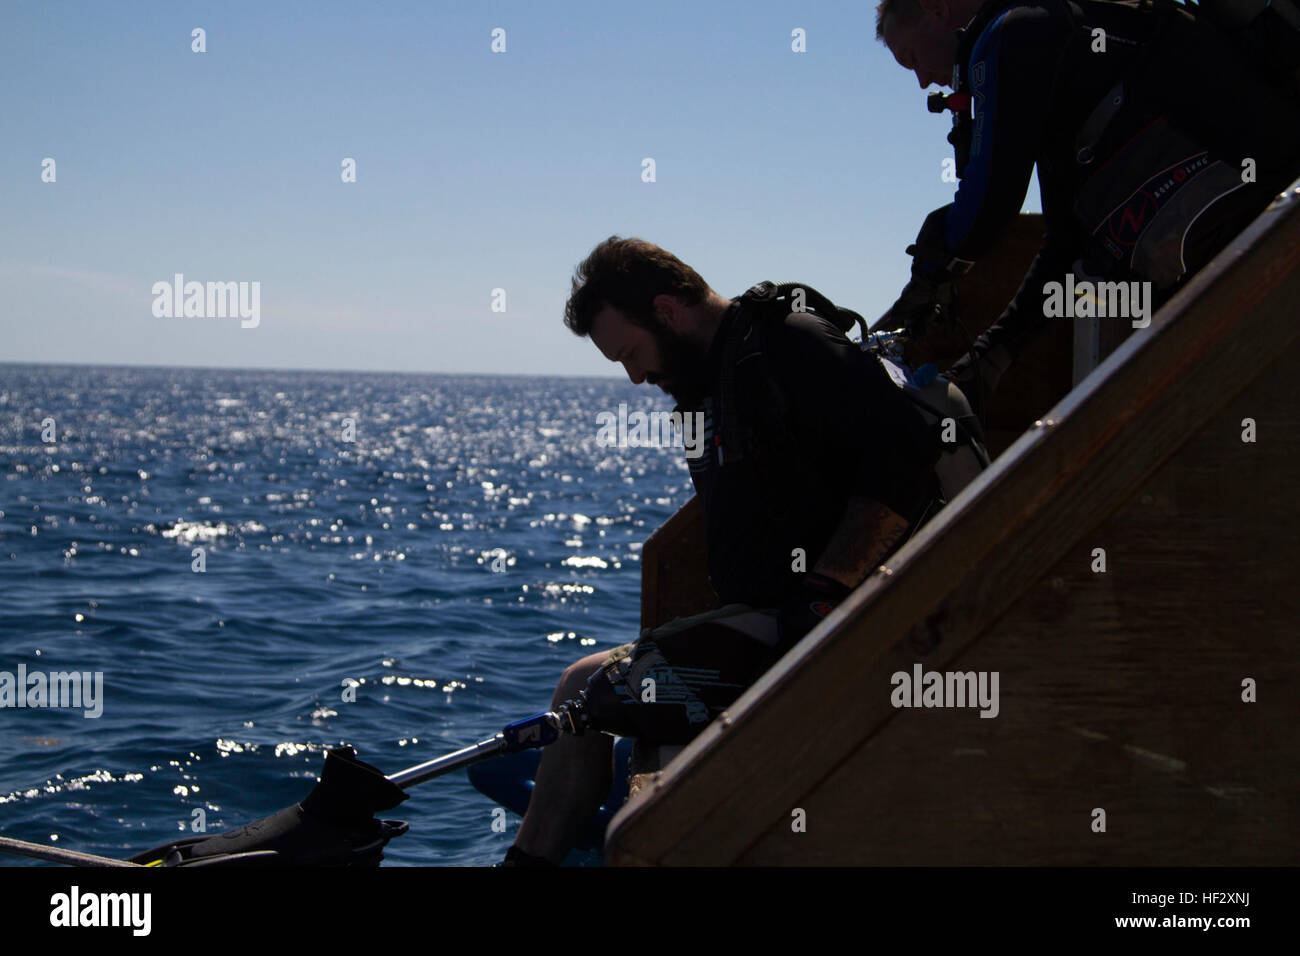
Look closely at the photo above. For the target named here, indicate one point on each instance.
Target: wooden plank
(675, 569)
(816, 708)
(1118, 690)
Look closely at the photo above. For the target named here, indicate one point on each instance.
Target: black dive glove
(924, 305)
(977, 374)
(926, 300)
(818, 596)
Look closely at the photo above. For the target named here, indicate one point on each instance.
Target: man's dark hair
(901, 12)
(626, 274)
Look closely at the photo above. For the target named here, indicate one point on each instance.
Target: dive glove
(818, 596)
(926, 300)
(924, 305)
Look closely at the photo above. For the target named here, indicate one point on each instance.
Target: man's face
(660, 356)
(927, 47)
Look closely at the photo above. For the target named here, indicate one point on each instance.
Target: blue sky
(475, 170)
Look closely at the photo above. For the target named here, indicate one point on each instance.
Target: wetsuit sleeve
(850, 413)
(1012, 68)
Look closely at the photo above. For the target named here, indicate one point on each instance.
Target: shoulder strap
(788, 297)
(761, 304)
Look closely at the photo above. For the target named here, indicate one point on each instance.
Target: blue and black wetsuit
(1036, 77)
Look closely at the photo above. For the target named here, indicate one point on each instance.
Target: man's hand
(924, 306)
(926, 300)
(819, 596)
(866, 535)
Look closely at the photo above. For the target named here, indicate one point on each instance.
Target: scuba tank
(939, 402)
(1152, 155)
(945, 409)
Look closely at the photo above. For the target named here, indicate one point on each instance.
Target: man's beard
(685, 365)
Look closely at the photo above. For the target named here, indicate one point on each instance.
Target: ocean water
(471, 541)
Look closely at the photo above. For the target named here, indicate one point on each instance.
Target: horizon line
(259, 368)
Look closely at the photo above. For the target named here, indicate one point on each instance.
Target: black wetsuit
(810, 421)
(838, 427)
(1033, 88)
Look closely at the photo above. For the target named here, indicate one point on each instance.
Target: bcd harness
(952, 429)
(1147, 180)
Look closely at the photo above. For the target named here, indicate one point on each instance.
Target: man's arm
(868, 533)
(1012, 67)
(846, 407)
(1024, 317)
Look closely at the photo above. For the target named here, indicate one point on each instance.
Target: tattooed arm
(855, 423)
(867, 534)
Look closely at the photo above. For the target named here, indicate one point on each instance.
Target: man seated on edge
(813, 459)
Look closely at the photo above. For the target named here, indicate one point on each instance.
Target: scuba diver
(1159, 131)
(820, 459)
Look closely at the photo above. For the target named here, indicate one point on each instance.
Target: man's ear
(938, 9)
(670, 312)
